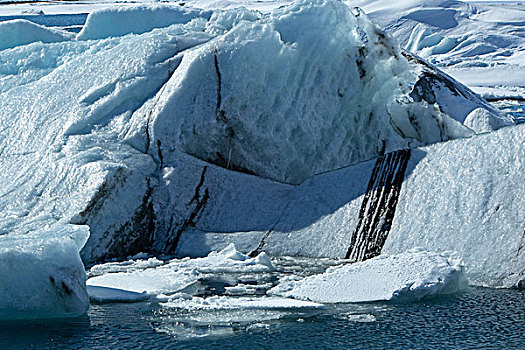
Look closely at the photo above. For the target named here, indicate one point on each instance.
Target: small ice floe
(186, 316)
(403, 277)
(362, 318)
(141, 279)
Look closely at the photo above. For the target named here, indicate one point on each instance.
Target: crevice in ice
(103, 192)
(219, 113)
(159, 153)
(522, 244)
(378, 206)
(172, 242)
(259, 248)
(196, 195)
(136, 235)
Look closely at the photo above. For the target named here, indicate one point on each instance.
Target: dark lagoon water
(476, 319)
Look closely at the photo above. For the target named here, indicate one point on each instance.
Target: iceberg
(41, 274)
(271, 131)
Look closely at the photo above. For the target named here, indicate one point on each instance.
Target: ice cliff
(163, 140)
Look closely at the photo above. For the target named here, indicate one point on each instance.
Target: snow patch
(480, 120)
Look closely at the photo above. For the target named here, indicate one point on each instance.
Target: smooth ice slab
(21, 32)
(110, 295)
(404, 277)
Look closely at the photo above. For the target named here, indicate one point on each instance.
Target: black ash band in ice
(379, 206)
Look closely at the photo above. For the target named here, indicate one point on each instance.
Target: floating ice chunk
(41, 274)
(409, 276)
(118, 21)
(22, 32)
(250, 303)
(152, 280)
(480, 120)
(362, 318)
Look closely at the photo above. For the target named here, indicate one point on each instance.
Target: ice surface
(405, 277)
(237, 91)
(467, 196)
(480, 120)
(463, 195)
(21, 32)
(41, 274)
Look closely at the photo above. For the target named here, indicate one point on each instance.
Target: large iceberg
(234, 122)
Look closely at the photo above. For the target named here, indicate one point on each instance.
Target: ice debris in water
(403, 277)
(185, 301)
(41, 274)
(129, 280)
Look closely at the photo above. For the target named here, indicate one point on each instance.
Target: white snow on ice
(405, 277)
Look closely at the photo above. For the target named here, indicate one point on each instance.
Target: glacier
(271, 131)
